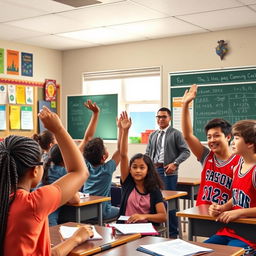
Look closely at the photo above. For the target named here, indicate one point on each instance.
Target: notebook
(175, 247)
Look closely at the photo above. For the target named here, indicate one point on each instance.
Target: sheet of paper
(26, 118)
(175, 247)
(67, 232)
(12, 93)
(122, 217)
(29, 95)
(143, 228)
(15, 117)
(2, 118)
(20, 94)
(3, 94)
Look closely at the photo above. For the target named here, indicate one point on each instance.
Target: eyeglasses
(163, 117)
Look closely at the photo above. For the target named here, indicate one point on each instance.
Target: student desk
(88, 208)
(93, 246)
(191, 186)
(130, 248)
(172, 199)
(200, 223)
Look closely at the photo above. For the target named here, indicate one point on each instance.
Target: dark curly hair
(94, 151)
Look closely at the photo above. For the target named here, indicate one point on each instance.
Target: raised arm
(186, 124)
(73, 159)
(90, 130)
(116, 154)
(125, 124)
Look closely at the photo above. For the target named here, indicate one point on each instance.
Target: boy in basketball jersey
(243, 202)
(217, 160)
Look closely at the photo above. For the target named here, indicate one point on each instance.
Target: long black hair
(152, 179)
(17, 155)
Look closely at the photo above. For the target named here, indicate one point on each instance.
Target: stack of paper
(67, 232)
(142, 228)
(175, 247)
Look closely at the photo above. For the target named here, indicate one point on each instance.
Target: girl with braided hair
(21, 170)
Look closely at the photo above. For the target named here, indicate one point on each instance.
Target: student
(141, 196)
(243, 202)
(217, 160)
(24, 225)
(54, 169)
(101, 170)
(46, 140)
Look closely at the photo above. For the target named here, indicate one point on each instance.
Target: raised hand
(125, 121)
(50, 120)
(190, 94)
(92, 106)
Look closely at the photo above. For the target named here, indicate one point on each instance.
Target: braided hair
(17, 155)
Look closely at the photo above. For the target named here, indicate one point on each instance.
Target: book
(67, 231)
(133, 228)
(175, 247)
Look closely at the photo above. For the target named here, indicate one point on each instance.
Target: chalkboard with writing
(228, 94)
(78, 116)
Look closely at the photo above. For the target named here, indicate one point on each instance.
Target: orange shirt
(27, 231)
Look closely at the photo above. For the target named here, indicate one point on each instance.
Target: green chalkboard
(230, 100)
(78, 116)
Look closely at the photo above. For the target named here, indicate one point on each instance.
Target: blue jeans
(226, 240)
(112, 212)
(170, 183)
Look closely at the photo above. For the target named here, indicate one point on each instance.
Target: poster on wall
(15, 117)
(29, 95)
(1, 60)
(20, 94)
(12, 62)
(2, 118)
(3, 94)
(26, 64)
(50, 90)
(12, 94)
(26, 118)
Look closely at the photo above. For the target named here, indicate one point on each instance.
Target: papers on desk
(142, 228)
(67, 232)
(123, 218)
(83, 195)
(175, 247)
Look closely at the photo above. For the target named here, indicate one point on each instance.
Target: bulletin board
(38, 94)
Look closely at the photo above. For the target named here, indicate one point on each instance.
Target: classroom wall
(47, 63)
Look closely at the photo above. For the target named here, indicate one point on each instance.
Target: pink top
(137, 203)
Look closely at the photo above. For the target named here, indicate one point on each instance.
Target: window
(139, 93)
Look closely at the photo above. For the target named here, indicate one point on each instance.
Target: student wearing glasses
(167, 149)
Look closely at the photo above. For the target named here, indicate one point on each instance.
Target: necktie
(158, 146)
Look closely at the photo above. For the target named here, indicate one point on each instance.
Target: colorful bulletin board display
(13, 62)
(1, 60)
(21, 118)
(222, 93)
(50, 90)
(26, 64)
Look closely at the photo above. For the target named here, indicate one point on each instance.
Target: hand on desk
(215, 210)
(229, 216)
(83, 233)
(137, 218)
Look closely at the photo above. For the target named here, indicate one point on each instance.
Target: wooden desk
(200, 223)
(172, 200)
(93, 246)
(191, 186)
(130, 248)
(88, 208)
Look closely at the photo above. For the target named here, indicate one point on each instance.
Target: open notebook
(142, 228)
(175, 247)
(67, 232)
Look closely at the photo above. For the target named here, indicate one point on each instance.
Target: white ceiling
(50, 24)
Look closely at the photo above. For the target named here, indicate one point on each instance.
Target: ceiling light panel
(112, 14)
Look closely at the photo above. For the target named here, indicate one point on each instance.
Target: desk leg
(192, 196)
(78, 214)
(179, 219)
(167, 222)
(190, 231)
(100, 214)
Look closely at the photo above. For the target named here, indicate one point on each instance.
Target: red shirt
(216, 180)
(27, 226)
(244, 191)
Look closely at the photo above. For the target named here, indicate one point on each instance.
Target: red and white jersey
(243, 196)
(216, 180)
